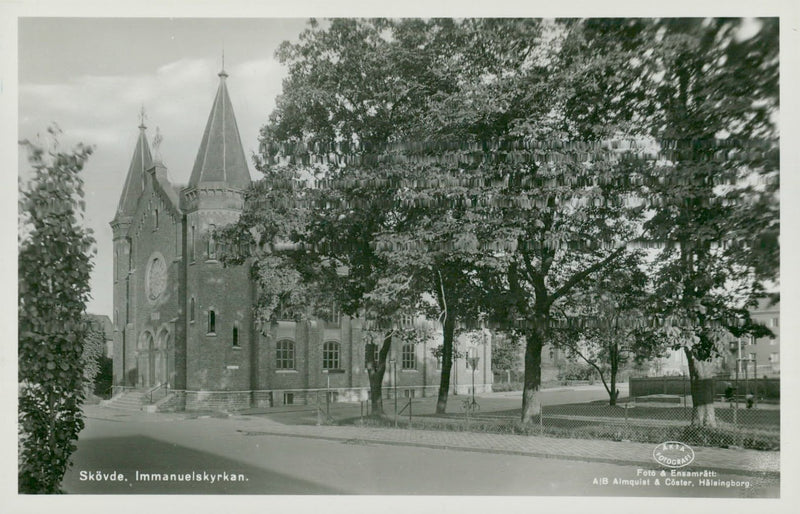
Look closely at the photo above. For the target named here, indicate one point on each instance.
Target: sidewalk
(736, 461)
(721, 460)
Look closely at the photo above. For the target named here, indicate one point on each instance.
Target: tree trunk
(376, 372)
(448, 336)
(612, 393)
(531, 403)
(701, 380)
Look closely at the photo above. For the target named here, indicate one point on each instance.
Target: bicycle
(469, 405)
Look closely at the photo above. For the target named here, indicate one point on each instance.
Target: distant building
(184, 322)
(760, 357)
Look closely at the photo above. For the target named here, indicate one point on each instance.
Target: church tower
(124, 301)
(219, 335)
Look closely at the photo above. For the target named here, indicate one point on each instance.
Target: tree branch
(576, 278)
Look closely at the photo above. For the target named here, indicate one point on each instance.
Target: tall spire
(134, 182)
(221, 157)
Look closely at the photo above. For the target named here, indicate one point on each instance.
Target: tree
(365, 82)
(506, 353)
(608, 322)
(54, 267)
(710, 87)
(506, 221)
(94, 347)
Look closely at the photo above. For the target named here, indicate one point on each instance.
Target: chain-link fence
(736, 418)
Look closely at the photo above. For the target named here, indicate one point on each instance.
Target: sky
(92, 76)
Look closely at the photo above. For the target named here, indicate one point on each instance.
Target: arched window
(212, 322)
(191, 310)
(235, 333)
(155, 219)
(330, 355)
(284, 355)
(408, 357)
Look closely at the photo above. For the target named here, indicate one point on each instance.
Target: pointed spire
(221, 156)
(134, 182)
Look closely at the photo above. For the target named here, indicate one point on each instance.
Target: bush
(571, 370)
(505, 386)
(723, 437)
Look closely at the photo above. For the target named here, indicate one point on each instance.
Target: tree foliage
(54, 267)
(502, 193)
(94, 348)
(608, 322)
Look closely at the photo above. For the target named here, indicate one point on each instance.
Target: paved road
(271, 464)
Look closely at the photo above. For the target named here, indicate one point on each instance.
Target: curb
(733, 471)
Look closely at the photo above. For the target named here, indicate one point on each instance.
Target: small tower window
(155, 219)
(191, 246)
(212, 322)
(211, 249)
(191, 310)
(235, 333)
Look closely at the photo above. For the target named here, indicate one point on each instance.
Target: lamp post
(393, 362)
(473, 360)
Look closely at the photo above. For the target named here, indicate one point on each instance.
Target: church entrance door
(151, 362)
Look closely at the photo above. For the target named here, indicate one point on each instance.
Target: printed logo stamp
(673, 454)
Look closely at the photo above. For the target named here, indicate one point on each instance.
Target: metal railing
(154, 392)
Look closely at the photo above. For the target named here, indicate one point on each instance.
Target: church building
(184, 332)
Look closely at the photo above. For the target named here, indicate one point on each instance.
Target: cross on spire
(223, 73)
(142, 117)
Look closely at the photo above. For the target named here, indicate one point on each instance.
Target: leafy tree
(94, 347)
(608, 322)
(54, 266)
(365, 82)
(473, 81)
(706, 84)
(506, 353)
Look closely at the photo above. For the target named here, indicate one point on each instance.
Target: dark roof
(133, 188)
(221, 156)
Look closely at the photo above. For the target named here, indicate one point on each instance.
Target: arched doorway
(144, 360)
(161, 353)
(151, 361)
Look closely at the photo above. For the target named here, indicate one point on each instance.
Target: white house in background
(760, 356)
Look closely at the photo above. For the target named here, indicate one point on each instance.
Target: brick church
(183, 326)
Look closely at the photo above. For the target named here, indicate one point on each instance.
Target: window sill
(236, 347)
(409, 371)
(211, 334)
(334, 371)
(285, 371)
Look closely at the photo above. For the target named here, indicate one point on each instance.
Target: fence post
(755, 384)
(541, 422)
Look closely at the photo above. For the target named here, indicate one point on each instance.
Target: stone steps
(130, 400)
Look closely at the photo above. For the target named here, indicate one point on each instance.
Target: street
(268, 464)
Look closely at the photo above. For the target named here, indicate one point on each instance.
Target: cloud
(103, 110)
